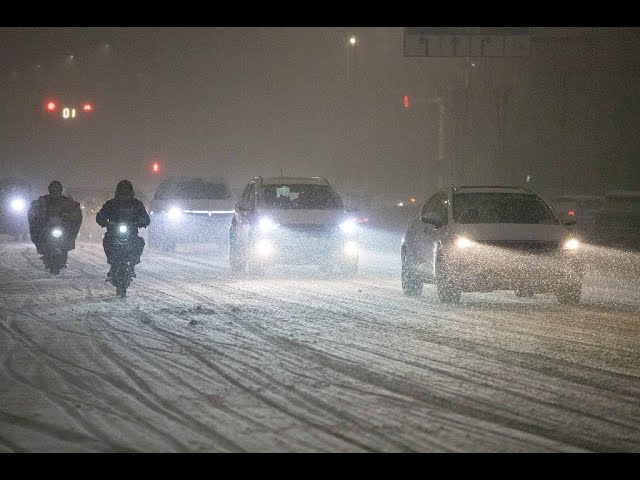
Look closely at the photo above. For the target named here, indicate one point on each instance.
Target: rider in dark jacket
(124, 208)
(55, 204)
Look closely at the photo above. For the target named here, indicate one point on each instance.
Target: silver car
(480, 239)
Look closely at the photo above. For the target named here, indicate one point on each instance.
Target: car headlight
(267, 225)
(122, 228)
(463, 242)
(348, 226)
(18, 205)
(174, 213)
(56, 232)
(571, 244)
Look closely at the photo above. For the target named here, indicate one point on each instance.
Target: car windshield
(300, 196)
(500, 208)
(196, 190)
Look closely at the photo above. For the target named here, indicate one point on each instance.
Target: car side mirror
(432, 218)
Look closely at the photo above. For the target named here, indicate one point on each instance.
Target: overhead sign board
(466, 42)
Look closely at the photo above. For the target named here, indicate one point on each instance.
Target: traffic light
(405, 102)
(155, 167)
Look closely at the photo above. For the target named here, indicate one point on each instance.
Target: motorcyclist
(55, 204)
(124, 208)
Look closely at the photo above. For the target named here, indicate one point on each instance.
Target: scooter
(122, 242)
(56, 253)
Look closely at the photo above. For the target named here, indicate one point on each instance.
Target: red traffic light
(51, 106)
(155, 167)
(87, 107)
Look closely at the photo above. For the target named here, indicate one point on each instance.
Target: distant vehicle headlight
(56, 232)
(267, 225)
(463, 242)
(18, 205)
(348, 226)
(174, 213)
(122, 228)
(571, 244)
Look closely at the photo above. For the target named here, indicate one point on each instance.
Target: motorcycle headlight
(122, 228)
(174, 213)
(571, 244)
(463, 242)
(56, 232)
(348, 226)
(18, 205)
(267, 225)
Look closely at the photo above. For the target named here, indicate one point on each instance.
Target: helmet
(55, 188)
(124, 188)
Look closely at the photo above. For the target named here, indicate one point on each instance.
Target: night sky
(239, 102)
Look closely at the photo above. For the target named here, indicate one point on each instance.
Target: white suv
(479, 239)
(292, 220)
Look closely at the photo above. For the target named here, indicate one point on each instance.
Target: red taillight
(572, 213)
(405, 101)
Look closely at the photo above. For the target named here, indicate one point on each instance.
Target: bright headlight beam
(463, 242)
(571, 244)
(348, 226)
(174, 213)
(267, 225)
(17, 204)
(122, 229)
(56, 232)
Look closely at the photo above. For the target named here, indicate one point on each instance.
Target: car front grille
(524, 246)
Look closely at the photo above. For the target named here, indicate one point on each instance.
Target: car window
(441, 206)
(195, 190)
(429, 205)
(300, 196)
(501, 208)
(246, 192)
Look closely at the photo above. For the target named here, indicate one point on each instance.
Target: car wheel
(569, 295)
(447, 290)
(412, 283)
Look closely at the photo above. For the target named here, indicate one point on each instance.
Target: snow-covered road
(195, 359)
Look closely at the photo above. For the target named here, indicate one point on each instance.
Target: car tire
(447, 290)
(412, 283)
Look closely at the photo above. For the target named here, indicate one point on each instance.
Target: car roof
(295, 180)
(491, 189)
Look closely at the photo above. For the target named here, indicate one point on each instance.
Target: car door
(243, 212)
(414, 238)
(427, 234)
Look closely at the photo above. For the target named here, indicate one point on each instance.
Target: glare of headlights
(56, 232)
(350, 248)
(463, 242)
(17, 204)
(571, 244)
(122, 229)
(267, 225)
(348, 226)
(264, 248)
(174, 213)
